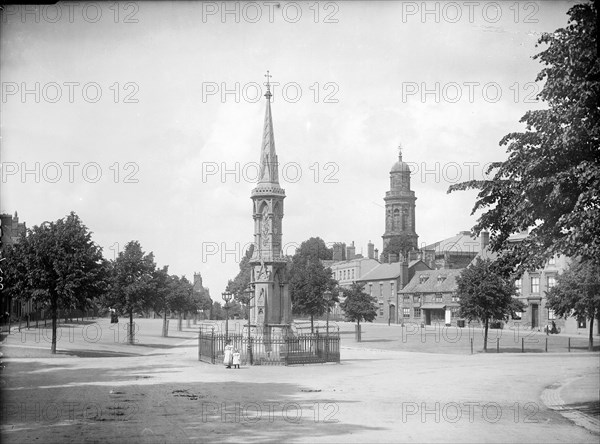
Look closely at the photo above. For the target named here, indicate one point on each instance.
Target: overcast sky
(146, 119)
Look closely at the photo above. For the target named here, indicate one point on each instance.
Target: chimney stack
(351, 251)
(370, 252)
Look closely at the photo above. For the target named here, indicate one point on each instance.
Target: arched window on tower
(404, 219)
(396, 219)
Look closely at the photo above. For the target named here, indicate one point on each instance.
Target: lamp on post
(226, 297)
(248, 296)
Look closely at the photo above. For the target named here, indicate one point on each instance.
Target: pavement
(101, 389)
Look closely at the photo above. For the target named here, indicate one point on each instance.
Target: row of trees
(56, 265)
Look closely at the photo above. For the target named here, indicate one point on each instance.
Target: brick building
(430, 298)
(383, 283)
(531, 290)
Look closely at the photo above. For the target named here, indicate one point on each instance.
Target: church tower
(400, 205)
(272, 302)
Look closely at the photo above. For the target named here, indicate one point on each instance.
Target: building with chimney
(272, 303)
(532, 286)
(430, 298)
(383, 283)
(452, 253)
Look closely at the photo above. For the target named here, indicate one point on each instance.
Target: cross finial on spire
(400, 151)
(268, 84)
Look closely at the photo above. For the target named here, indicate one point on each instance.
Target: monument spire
(268, 158)
(273, 306)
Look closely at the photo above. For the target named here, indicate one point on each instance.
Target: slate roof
(432, 285)
(461, 243)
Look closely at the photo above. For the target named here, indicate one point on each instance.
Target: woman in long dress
(228, 358)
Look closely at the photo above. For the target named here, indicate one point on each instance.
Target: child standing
(236, 358)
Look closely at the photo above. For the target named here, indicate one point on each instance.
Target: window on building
(518, 284)
(417, 299)
(551, 315)
(381, 289)
(391, 289)
(406, 312)
(406, 298)
(417, 312)
(552, 261)
(581, 323)
(454, 312)
(441, 279)
(438, 297)
(370, 289)
(518, 315)
(455, 297)
(353, 273)
(423, 278)
(535, 284)
(551, 281)
(344, 274)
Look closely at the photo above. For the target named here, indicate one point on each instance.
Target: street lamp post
(248, 296)
(327, 295)
(226, 297)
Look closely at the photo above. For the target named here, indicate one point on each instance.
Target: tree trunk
(165, 331)
(131, 339)
(180, 321)
(485, 335)
(312, 328)
(54, 309)
(591, 344)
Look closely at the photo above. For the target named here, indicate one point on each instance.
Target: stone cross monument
(272, 303)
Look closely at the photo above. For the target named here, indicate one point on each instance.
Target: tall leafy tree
(358, 306)
(241, 281)
(180, 299)
(310, 279)
(202, 299)
(57, 264)
(131, 286)
(399, 245)
(486, 294)
(160, 291)
(550, 181)
(577, 294)
(314, 249)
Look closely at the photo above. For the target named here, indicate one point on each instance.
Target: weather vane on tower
(400, 151)
(268, 84)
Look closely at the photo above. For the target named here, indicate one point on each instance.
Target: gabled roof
(432, 284)
(461, 243)
(415, 262)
